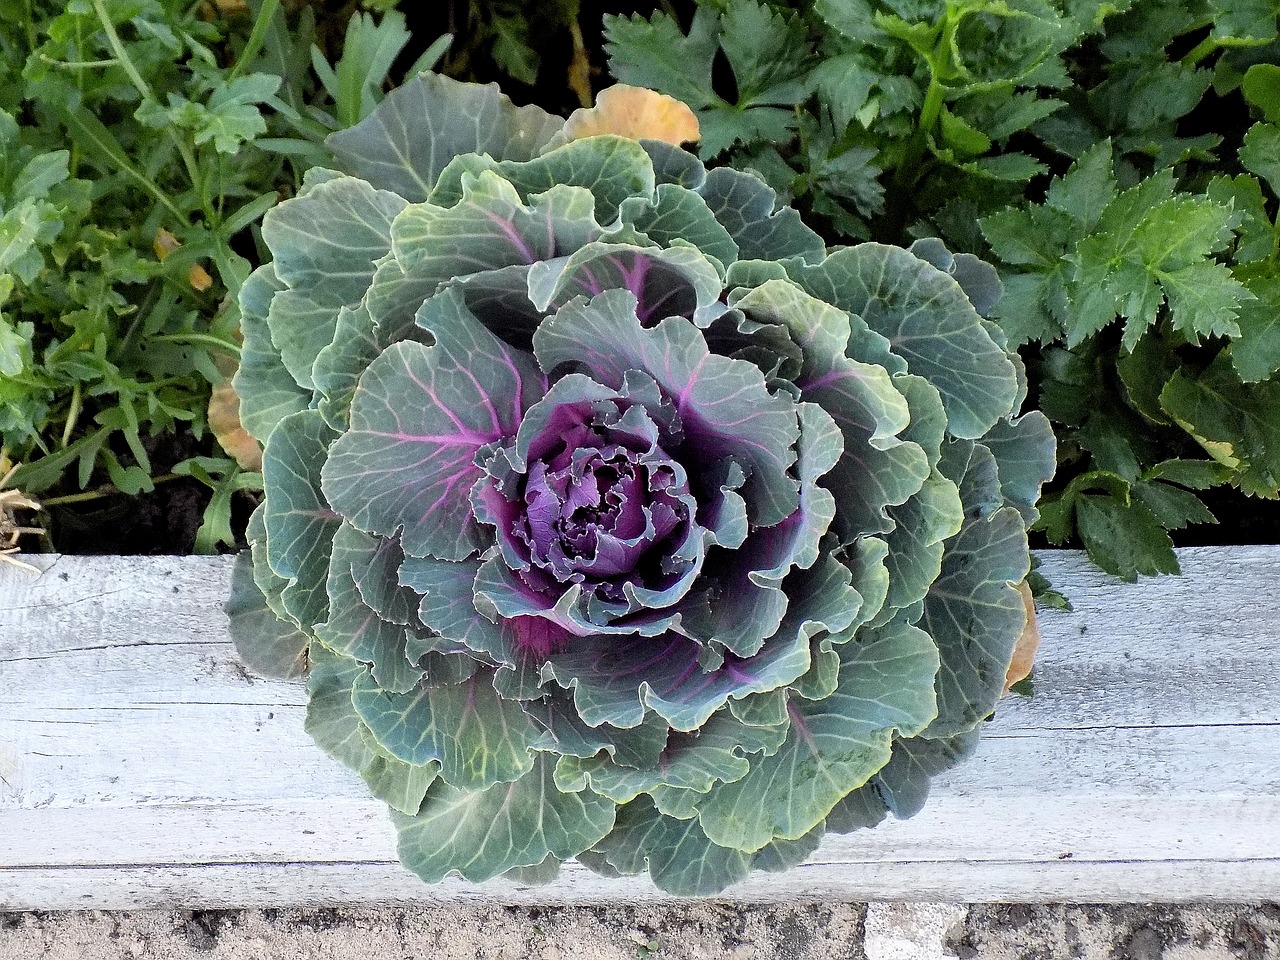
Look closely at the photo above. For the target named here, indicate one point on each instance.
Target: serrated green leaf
(1124, 539)
(658, 55)
(1172, 506)
(1255, 354)
(768, 51)
(1238, 424)
(1261, 153)
(1244, 22)
(1086, 190)
(1193, 474)
(1204, 301)
(1261, 87)
(960, 135)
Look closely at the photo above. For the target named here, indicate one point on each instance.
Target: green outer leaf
(903, 784)
(484, 833)
(1025, 452)
(487, 228)
(917, 543)
(976, 615)
(779, 855)
(833, 745)
(422, 125)
(338, 365)
(267, 392)
(744, 205)
(353, 629)
(680, 858)
(477, 737)
(928, 320)
(299, 523)
(269, 646)
(419, 416)
(333, 723)
(264, 577)
(716, 752)
(611, 168)
(677, 213)
(326, 243)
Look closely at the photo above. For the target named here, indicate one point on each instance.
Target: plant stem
(30, 24)
(101, 492)
(207, 339)
(259, 34)
(76, 64)
(72, 415)
(1200, 51)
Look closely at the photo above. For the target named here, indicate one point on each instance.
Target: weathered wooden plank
(141, 766)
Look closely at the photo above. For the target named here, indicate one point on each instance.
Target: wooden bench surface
(142, 766)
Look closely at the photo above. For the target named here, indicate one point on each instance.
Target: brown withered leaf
(636, 113)
(1024, 653)
(224, 421)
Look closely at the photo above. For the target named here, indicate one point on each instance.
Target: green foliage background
(1117, 160)
(122, 118)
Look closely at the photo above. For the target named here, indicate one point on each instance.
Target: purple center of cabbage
(598, 511)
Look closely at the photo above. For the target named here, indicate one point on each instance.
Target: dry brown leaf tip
(165, 244)
(635, 113)
(1024, 652)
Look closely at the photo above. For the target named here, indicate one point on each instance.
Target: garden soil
(708, 929)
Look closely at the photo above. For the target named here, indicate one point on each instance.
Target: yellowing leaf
(636, 113)
(224, 421)
(1024, 653)
(165, 243)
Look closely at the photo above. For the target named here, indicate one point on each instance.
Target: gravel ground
(693, 931)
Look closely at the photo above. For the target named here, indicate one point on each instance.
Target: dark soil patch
(163, 521)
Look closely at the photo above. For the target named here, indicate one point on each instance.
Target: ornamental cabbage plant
(612, 516)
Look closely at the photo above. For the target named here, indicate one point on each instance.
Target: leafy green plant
(612, 515)
(514, 36)
(135, 156)
(1145, 270)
